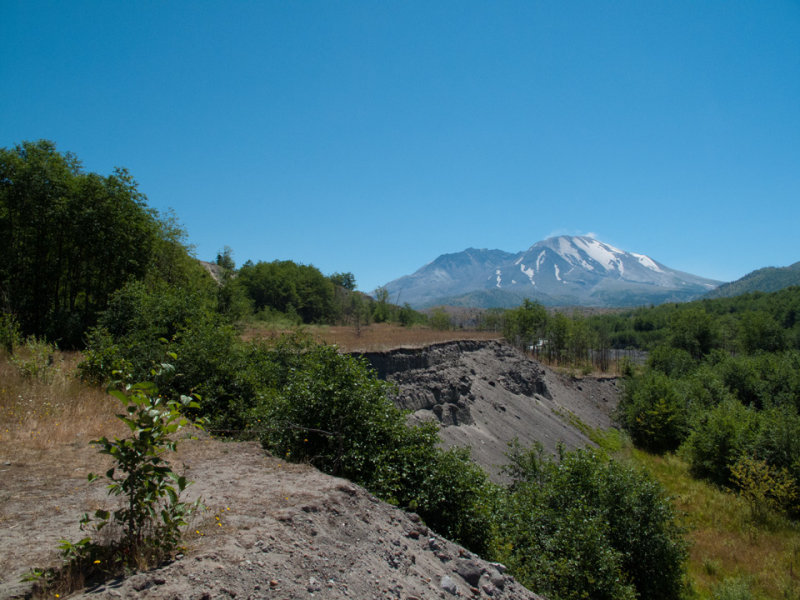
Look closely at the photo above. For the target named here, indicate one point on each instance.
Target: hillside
(768, 279)
(484, 394)
(271, 528)
(275, 527)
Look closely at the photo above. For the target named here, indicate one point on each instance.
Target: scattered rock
(469, 570)
(448, 585)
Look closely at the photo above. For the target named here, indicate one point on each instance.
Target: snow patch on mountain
(647, 262)
(529, 272)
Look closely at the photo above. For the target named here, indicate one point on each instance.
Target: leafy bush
(152, 514)
(332, 411)
(719, 439)
(732, 588)
(764, 487)
(674, 362)
(333, 414)
(439, 319)
(587, 528)
(150, 519)
(35, 360)
(10, 334)
(653, 412)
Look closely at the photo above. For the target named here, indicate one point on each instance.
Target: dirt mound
(486, 393)
(271, 530)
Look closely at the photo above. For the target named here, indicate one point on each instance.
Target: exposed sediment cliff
(486, 393)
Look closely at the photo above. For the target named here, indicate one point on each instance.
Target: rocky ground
(273, 529)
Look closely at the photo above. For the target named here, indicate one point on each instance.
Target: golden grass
(371, 338)
(39, 416)
(725, 542)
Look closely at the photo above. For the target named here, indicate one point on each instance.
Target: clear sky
(374, 136)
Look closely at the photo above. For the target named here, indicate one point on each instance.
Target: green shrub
(10, 333)
(587, 528)
(35, 360)
(331, 410)
(102, 358)
(719, 439)
(674, 362)
(152, 515)
(732, 588)
(653, 413)
(764, 487)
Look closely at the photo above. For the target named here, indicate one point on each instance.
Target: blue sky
(374, 136)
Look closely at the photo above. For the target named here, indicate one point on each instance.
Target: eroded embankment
(485, 394)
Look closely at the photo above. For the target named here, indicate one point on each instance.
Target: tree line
(71, 239)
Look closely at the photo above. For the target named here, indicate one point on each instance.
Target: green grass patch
(731, 555)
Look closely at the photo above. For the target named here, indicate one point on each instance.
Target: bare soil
(271, 529)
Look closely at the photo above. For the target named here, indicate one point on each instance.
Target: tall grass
(38, 413)
(732, 556)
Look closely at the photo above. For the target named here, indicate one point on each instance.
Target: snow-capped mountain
(564, 270)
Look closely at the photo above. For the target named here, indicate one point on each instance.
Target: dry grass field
(375, 337)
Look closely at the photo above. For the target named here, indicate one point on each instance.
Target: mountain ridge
(766, 279)
(557, 271)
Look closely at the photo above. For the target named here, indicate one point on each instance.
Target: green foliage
(225, 260)
(587, 528)
(407, 316)
(70, 239)
(439, 319)
(764, 487)
(733, 588)
(653, 413)
(344, 280)
(148, 523)
(330, 410)
(137, 317)
(382, 310)
(760, 331)
(693, 330)
(152, 514)
(103, 357)
(10, 334)
(35, 360)
(674, 362)
(719, 439)
(289, 288)
(525, 325)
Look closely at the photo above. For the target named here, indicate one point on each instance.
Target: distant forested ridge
(768, 279)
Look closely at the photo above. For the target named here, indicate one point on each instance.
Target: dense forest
(87, 264)
(720, 383)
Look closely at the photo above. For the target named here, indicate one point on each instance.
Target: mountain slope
(450, 274)
(564, 270)
(768, 279)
